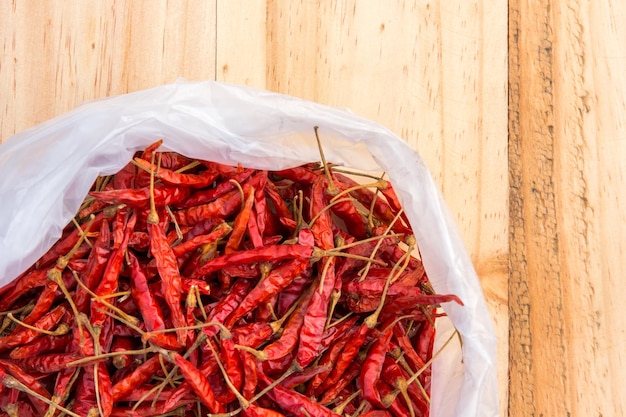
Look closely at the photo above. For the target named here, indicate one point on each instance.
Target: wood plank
(56, 55)
(436, 74)
(241, 42)
(567, 243)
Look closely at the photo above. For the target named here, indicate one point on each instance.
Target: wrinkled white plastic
(46, 171)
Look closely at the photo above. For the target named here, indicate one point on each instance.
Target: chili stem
(332, 189)
(360, 242)
(110, 355)
(380, 184)
(363, 273)
(179, 233)
(243, 195)
(153, 216)
(54, 275)
(339, 409)
(11, 382)
(224, 332)
(187, 167)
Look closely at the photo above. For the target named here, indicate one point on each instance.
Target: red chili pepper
(372, 368)
(254, 232)
(139, 198)
(348, 354)
(109, 282)
(279, 205)
(377, 413)
(7, 367)
(22, 335)
(253, 334)
(277, 279)
(173, 160)
(255, 411)
(226, 206)
(168, 176)
(140, 291)
(141, 374)
(350, 375)
(397, 408)
(96, 263)
(329, 358)
(250, 378)
(374, 288)
(64, 384)
(425, 344)
(294, 402)
(21, 285)
(44, 344)
(322, 227)
(206, 196)
(316, 316)
(170, 277)
(188, 245)
(227, 305)
(289, 337)
(46, 299)
(230, 359)
(303, 175)
(396, 377)
(198, 382)
(47, 363)
(241, 221)
(305, 376)
(273, 253)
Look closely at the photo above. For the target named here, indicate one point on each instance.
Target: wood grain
(56, 55)
(567, 224)
(434, 72)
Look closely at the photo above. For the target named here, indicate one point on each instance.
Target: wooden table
(522, 128)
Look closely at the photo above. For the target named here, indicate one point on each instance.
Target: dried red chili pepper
(315, 318)
(198, 382)
(141, 374)
(43, 344)
(96, 264)
(255, 411)
(348, 354)
(223, 208)
(372, 368)
(331, 394)
(205, 196)
(294, 402)
(170, 276)
(30, 381)
(146, 302)
(277, 279)
(204, 179)
(241, 221)
(273, 253)
(227, 305)
(22, 335)
(290, 335)
(47, 363)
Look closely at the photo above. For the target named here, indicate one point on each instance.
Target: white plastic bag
(46, 171)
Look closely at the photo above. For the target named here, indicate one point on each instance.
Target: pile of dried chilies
(187, 288)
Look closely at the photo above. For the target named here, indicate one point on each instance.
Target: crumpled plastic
(46, 171)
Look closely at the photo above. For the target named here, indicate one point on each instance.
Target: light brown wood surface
(434, 72)
(568, 143)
